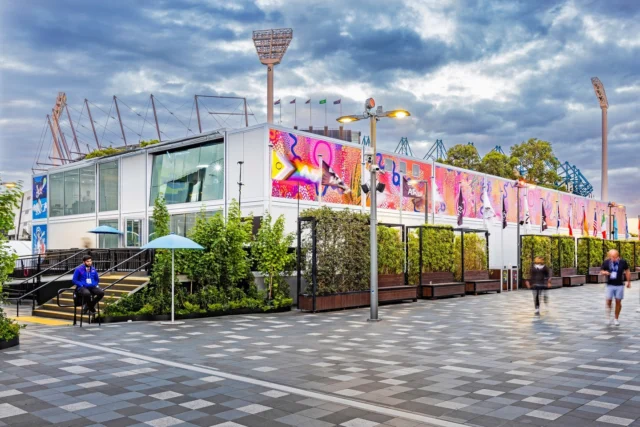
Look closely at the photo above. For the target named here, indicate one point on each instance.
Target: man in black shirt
(615, 268)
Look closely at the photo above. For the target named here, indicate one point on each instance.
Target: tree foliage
(162, 269)
(390, 251)
(271, 253)
(498, 164)
(107, 151)
(538, 162)
(463, 156)
(475, 254)
(438, 253)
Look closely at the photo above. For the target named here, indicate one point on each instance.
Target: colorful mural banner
(416, 175)
(449, 183)
(39, 239)
(297, 172)
(39, 196)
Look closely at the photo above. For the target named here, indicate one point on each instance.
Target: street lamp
(521, 183)
(373, 117)
(9, 185)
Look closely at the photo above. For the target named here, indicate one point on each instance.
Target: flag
(595, 223)
(293, 102)
(323, 101)
(308, 101)
(570, 220)
(558, 215)
(543, 223)
(460, 207)
(603, 225)
(626, 227)
(615, 228)
(527, 217)
(277, 102)
(487, 210)
(331, 179)
(504, 212)
(585, 224)
(337, 101)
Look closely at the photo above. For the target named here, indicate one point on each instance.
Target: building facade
(285, 171)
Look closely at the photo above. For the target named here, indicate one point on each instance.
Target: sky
(494, 72)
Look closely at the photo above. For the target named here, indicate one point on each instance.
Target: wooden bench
(439, 285)
(391, 288)
(594, 276)
(556, 282)
(570, 277)
(477, 281)
(635, 275)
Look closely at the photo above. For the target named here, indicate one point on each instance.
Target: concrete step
(59, 315)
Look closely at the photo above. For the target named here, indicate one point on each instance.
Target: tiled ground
(485, 361)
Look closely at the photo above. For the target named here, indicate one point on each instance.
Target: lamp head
(369, 104)
(398, 114)
(348, 119)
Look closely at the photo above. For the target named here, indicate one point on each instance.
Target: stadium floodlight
(271, 45)
(604, 106)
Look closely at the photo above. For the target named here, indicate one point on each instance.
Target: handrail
(47, 269)
(118, 265)
(45, 254)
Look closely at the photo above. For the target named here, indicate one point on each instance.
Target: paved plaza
(480, 361)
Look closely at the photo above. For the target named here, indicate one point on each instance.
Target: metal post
(93, 127)
(173, 278)
(405, 240)
(373, 237)
(518, 240)
(124, 138)
(270, 176)
(426, 202)
(270, 95)
(240, 184)
(320, 181)
(63, 140)
(299, 260)
(198, 111)
(75, 138)
(420, 259)
(462, 253)
(605, 161)
(246, 114)
(400, 196)
(20, 217)
(314, 260)
(155, 115)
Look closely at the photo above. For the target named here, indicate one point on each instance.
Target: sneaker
(537, 311)
(615, 322)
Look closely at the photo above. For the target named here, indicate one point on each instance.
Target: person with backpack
(617, 270)
(539, 281)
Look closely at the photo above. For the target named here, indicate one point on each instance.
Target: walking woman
(539, 281)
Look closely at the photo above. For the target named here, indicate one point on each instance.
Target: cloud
(491, 72)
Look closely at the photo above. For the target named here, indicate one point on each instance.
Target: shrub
(475, 254)
(9, 329)
(533, 246)
(590, 253)
(562, 253)
(390, 251)
(626, 252)
(270, 250)
(438, 254)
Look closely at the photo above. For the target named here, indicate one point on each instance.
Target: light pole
(521, 183)
(373, 117)
(598, 87)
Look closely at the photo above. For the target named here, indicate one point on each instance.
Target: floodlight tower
(604, 106)
(271, 46)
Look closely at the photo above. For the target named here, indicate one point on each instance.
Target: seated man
(86, 279)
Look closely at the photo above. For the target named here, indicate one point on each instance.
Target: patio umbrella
(105, 229)
(172, 242)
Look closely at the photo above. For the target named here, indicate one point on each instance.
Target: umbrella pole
(173, 277)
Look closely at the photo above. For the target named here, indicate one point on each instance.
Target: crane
(404, 147)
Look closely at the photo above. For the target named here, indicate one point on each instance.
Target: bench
(556, 282)
(477, 281)
(391, 288)
(440, 284)
(570, 277)
(594, 276)
(635, 275)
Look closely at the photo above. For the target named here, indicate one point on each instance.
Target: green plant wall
(533, 246)
(437, 251)
(626, 252)
(475, 254)
(342, 250)
(562, 253)
(390, 250)
(590, 253)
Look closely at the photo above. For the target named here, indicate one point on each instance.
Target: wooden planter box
(439, 285)
(386, 294)
(635, 275)
(570, 277)
(477, 281)
(11, 343)
(556, 282)
(594, 276)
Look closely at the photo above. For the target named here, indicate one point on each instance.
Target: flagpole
(325, 113)
(401, 184)
(310, 122)
(295, 114)
(280, 112)
(502, 233)
(320, 183)
(541, 216)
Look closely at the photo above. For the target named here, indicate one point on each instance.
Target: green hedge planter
(590, 253)
(165, 317)
(438, 253)
(10, 343)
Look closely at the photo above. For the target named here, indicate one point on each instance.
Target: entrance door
(133, 238)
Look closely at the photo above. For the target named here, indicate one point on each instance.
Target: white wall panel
(132, 184)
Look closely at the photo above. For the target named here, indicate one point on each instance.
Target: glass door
(134, 232)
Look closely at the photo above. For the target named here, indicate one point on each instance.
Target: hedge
(437, 251)
(475, 254)
(590, 253)
(534, 246)
(562, 253)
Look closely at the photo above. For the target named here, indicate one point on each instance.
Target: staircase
(112, 294)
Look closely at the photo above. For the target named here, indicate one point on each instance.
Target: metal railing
(140, 265)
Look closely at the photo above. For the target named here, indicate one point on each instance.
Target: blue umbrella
(172, 242)
(105, 229)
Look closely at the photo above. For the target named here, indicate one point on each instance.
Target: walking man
(615, 268)
(86, 279)
(539, 281)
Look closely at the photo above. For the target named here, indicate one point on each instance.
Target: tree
(9, 201)
(271, 253)
(162, 269)
(538, 162)
(463, 156)
(498, 164)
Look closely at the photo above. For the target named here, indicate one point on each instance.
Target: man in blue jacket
(86, 279)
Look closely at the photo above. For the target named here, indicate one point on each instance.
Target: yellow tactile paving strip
(41, 321)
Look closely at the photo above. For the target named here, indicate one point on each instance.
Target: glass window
(403, 167)
(191, 175)
(416, 171)
(71, 192)
(178, 224)
(107, 241)
(87, 190)
(134, 227)
(108, 186)
(56, 194)
(152, 229)
(388, 164)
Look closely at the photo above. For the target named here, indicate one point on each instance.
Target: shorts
(614, 292)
